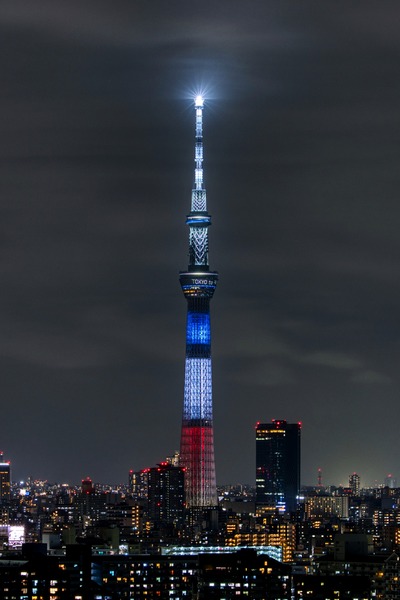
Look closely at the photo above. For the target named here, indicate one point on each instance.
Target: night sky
(302, 149)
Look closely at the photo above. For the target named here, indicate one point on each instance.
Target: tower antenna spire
(198, 219)
(198, 284)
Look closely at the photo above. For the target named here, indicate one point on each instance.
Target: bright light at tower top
(199, 101)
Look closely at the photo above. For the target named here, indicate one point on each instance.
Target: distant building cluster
(276, 540)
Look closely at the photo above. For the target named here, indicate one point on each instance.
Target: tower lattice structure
(198, 284)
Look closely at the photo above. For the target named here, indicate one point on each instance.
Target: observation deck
(199, 283)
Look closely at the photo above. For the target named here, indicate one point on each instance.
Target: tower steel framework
(198, 284)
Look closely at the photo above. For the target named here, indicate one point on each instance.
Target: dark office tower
(131, 481)
(319, 477)
(198, 285)
(278, 465)
(166, 494)
(87, 486)
(5, 480)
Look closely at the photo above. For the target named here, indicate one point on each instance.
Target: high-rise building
(139, 483)
(131, 480)
(5, 480)
(390, 481)
(166, 494)
(87, 486)
(354, 484)
(277, 465)
(198, 284)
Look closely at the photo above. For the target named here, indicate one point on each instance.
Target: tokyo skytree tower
(198, 284)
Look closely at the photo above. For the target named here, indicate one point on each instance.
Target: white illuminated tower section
(198, 285)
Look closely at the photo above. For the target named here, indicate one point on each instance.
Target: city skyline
(302, 175)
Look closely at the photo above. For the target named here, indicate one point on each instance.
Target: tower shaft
(198, 284)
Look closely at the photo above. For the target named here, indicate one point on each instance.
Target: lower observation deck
(198, 219)
(198, 283)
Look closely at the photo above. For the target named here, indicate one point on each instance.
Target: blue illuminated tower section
(198, 285)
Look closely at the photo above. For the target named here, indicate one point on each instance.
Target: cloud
(367, 377)
(333, 360)
(264, 374)
(301, 169)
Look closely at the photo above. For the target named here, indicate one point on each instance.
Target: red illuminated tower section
(198, 285)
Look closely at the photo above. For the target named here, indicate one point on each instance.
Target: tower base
(197, 457)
